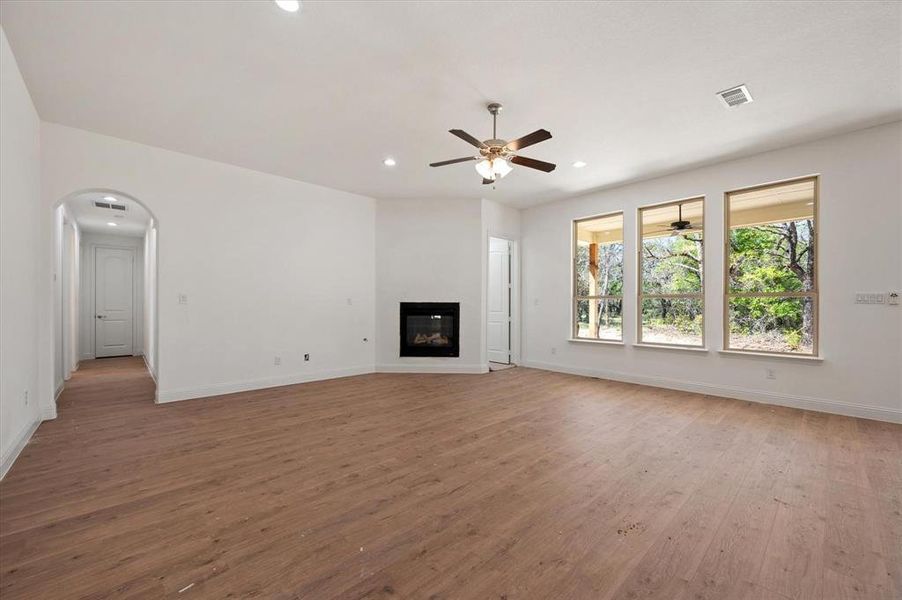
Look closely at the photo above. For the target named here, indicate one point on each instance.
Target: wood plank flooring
(519, 484)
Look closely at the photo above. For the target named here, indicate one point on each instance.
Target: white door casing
(499, 300)
(113, 302)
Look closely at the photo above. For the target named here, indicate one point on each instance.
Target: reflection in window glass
(671, 286)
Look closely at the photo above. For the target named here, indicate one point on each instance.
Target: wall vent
(110, 206)
(735, 96)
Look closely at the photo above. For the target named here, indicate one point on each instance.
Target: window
(598, 278)
(770, 284)
(671, 274)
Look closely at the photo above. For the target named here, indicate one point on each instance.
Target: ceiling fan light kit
(497, 155)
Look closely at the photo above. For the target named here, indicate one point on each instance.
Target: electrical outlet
(277, 360)
(770, 374)
(892, 298)
(183, 298)
(553, 350)
(306, 358)
(350, 302)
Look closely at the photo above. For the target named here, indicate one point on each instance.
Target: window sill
(787, 356)
(669, 347)
(591, 341)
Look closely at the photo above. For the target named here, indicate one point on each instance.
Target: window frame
(574, 279)
(814, 293)
(641, 296)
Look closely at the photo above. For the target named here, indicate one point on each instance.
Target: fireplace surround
(430, 329)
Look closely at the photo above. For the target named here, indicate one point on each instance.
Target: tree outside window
(598, 278)
(771, 268)
(672, 274)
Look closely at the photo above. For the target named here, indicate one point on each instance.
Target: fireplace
(430, 329)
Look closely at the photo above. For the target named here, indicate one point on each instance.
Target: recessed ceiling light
(111, 224)
(389, 162)
(579, 164)
(289, 5)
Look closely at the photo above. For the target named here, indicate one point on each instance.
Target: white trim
(219, 389)
(74, 369)
(149, 370)
(19, 443)
(777, 355)
(48, 413)
(669, 347)
(802, 402)
(596, 341)
(436, 368)
(59, 390)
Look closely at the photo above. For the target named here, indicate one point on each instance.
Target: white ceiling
(325, 94)
(133, 221)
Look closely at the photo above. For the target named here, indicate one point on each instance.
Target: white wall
(270, 266)
(430, 251)
(150, 298)
(66, 285)
(20, 217)
(500, 220)
(70, 297)
(860, 231)
(89, 243)
(59, 374)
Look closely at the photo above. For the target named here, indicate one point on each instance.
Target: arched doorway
(106, 227)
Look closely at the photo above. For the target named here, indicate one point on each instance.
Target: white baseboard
(149, 370)
(59, 390)
(803, 402)
(436, 368)
(218, 389)
(19, 443)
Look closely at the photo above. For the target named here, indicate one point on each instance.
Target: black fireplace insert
(430, 329)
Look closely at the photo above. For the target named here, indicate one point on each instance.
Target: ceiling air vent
(735, 96)
(111, 206)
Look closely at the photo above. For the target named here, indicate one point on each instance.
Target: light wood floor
(520, 484)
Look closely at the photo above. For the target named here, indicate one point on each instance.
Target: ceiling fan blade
(539, 135)
(467, 137)
(452, 161)
(533, 163)
(487, 181)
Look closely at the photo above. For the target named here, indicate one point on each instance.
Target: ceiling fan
(680, 227)
(495, 155)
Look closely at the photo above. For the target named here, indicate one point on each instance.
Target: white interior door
(499, 298)
(113, 302)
